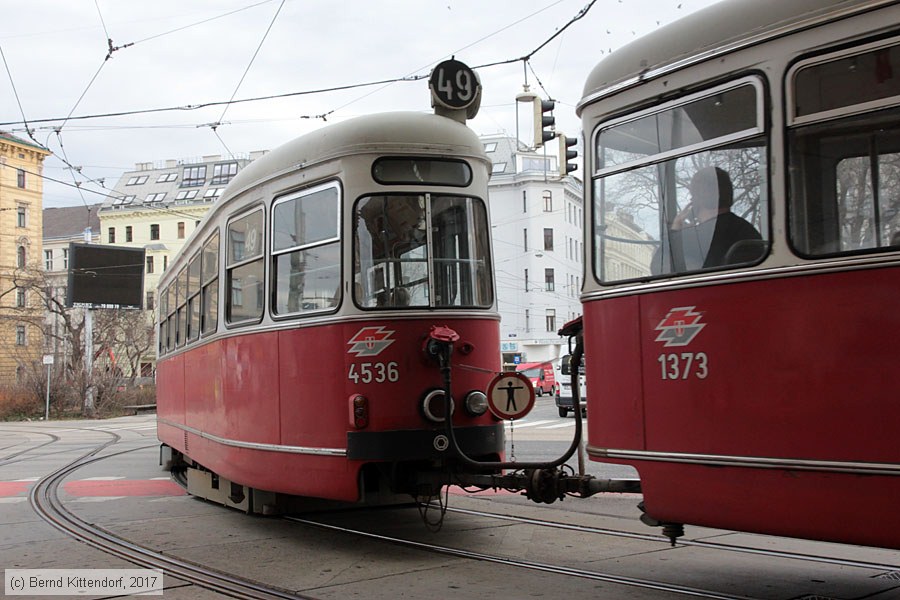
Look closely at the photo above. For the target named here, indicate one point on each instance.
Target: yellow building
(21, 203)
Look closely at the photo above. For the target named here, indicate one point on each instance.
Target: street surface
(603, 551)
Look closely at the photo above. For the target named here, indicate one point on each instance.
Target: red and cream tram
(740, 302)
(292, 325)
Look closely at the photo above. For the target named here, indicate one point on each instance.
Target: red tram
(292, 325)
(740, 304)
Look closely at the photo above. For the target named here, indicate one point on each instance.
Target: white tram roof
(723, 27)
(400, 133)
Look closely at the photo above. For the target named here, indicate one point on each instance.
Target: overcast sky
(191, 52)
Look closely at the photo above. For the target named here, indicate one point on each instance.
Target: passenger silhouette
(705, 233)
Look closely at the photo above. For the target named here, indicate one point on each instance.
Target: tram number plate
(683, 365)
(373, 372)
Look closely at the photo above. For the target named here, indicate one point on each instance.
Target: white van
(564, 399)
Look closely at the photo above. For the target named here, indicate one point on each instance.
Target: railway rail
(45, 501)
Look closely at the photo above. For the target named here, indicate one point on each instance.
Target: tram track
(557, 569)
(718, 546)
(11, 458)
(44, 499)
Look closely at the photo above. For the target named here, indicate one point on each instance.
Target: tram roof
(725, 26)
(393, 132)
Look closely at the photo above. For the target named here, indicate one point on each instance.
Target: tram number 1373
(683, 365)
(373, 372)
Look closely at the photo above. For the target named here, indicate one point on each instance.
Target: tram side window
(193, 299)
(845, 163)
(393, 264)
(682, 189)
(245, 268)
(181, 313)
(171, 302)
(306, 251)
(163, 312)
(209, 294)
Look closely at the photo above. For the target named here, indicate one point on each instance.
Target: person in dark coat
(705, 233)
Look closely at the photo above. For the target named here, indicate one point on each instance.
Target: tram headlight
(433, 406)
(476, 403)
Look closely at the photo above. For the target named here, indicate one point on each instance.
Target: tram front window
(421, 250)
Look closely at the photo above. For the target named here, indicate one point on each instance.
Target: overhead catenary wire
(234, 101)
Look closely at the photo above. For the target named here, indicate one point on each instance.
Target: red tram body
(292, 325)
(756, 392)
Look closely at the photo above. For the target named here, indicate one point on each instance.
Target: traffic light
(565, 155)
(542, 121)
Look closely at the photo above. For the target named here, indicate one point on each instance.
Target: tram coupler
(546, 486)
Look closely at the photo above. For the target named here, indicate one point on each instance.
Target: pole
(47, 406)
(89, 358)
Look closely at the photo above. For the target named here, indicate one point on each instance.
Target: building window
(490, 147)
(212, 194)
(180, 230)
(149, 264)
(526, 280)
(151, 198)
(548, 201)
(65, 258)
(20, 335)
(146, 369)
(48, 260)
(223, 173)
(20, 178)
(498, 168)
(527, 320)
(154, 231)
(548, 238)
(549, 283)
(186, 194)
(21, 217)
(137, 180)
(166, 177)
(525, 239)
(128, 234)
(112, 235)
(20, 297)
(148, 304)
(524, 201)
(551, 319)
(194, 176)
(20, 257)
(165, 262)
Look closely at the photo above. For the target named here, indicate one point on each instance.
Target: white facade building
(537, 232)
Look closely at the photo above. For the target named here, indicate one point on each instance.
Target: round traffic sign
(454, 85)
(510, 396)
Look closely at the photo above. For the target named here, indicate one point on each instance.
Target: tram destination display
(105, 276)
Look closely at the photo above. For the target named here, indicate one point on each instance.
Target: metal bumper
(424, 444)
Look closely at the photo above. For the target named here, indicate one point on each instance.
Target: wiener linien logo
(370, 341)
(680, 326)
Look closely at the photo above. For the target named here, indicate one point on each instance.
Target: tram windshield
(421, 250)
(682, 188)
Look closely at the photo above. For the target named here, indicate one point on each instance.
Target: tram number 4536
(683, 365)
(373, 372)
